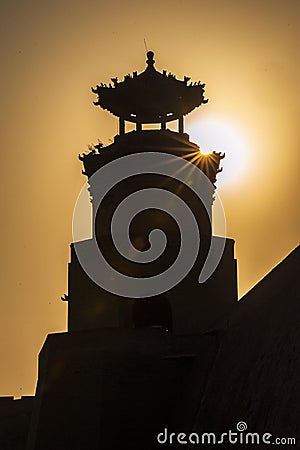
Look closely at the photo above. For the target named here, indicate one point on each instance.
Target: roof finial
(150, 61)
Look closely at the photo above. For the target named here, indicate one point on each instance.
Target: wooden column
(180, 124)
(121, 125)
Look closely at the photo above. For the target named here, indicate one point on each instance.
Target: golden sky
(246, 52)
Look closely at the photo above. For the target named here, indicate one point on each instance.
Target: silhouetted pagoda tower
(151, 97)
(123, 370)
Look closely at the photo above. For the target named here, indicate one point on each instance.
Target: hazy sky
(246, 52)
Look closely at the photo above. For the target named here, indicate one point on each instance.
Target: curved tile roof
(151, 96)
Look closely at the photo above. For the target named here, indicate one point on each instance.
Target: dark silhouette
(192, 359)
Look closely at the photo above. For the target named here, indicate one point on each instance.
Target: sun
(222, 136)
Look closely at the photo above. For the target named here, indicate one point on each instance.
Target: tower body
(189, 307)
